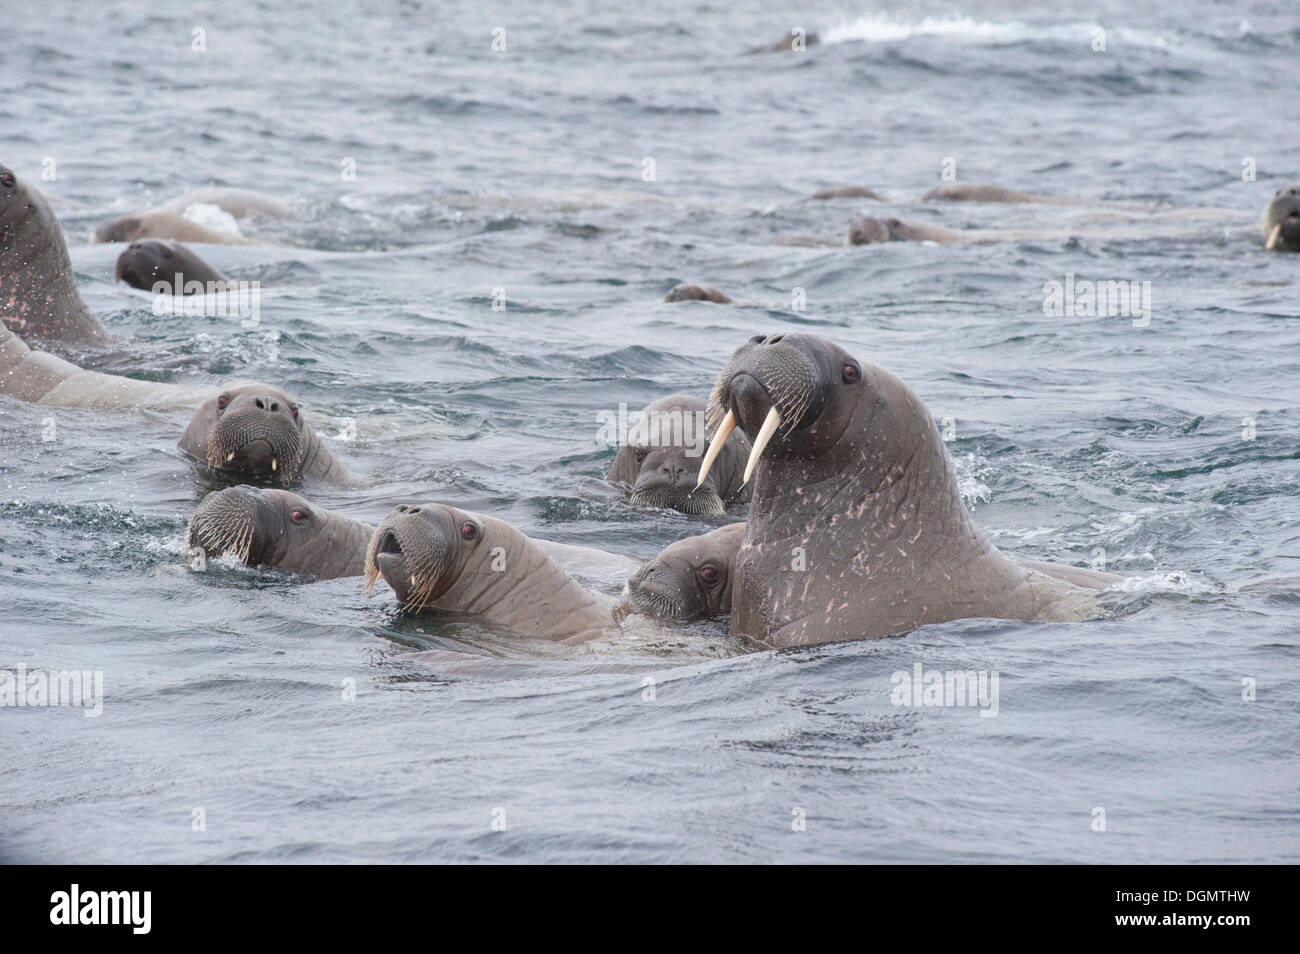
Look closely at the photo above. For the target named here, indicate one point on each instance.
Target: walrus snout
(256, 433)
(230, 523)
(412, 550)
(868, 231)
(1282, 220)
(658, 591)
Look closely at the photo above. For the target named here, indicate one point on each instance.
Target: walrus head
(144, 263)
(125, 228)
(269, 527)
(1282, 220)
(421, 550)
(794, 396)
(253, 429)
(685, 292)
(868, 231)
(15, 204)
(691, 579)
(661, 458)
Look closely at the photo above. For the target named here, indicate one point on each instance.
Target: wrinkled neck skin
(885, 541)
(38, 296)
(531, 594)
(338, 549)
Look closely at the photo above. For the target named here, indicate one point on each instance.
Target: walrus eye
(222, 401)
(850, 374)
(8, 180)
(468, 530)
(709, 574)
(299, 516)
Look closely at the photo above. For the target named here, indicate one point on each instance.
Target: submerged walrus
(38, 296)
(690, 579)
(438, 558)
(846, 192)
(272, 527)
(659, 460)
(857, 529)
(39, 377)
(168, 221)
(684, 292)
(869, 231)
(255, 430)
(167, 268)
(1282, 220)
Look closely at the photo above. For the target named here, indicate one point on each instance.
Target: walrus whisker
(1273, 237)
(770, 424)
(715, 446)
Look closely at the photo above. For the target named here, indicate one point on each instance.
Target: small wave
(874, 28)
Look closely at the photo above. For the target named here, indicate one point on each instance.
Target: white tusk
(715, 446)
(1273, 237)
(230, 457)
(770, 424)
(273, 463)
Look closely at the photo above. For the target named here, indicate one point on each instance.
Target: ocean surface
(1166, 732)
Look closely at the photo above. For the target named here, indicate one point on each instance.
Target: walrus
(658, 460)
(685, 292)
(277, 528)
(39, 377)
(1282, 220)
(271, 527)
(689, 579)
(788, 42)
(846, 192)
(868, 231)
(254, 430)
(38, 296)
(168, 221)
(856, 529)
(439, 558)
(955, 192)
(167, 268)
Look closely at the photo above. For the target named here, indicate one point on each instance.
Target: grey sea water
(1168, 448)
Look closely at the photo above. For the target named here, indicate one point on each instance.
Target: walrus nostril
(275, 405)
(400, 508)
(414, 510)
(774, 339)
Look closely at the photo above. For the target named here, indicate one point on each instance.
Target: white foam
(212, 217)
(883, 28)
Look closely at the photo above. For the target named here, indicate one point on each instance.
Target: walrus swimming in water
(266, 526)
(39, 377)
(868, 231)
(257, 431)
(659, 460)
(1282, 220)
(166, 268)
(686, 292)
(168, 221)
(992, 193)
(846, 192)
(38, 296)
(438, 558)
(857, 529)
(690, 579)
(271, 527)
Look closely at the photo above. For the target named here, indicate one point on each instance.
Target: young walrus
(689, 579)
(441, 559)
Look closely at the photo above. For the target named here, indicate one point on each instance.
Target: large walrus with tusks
(856, 528)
